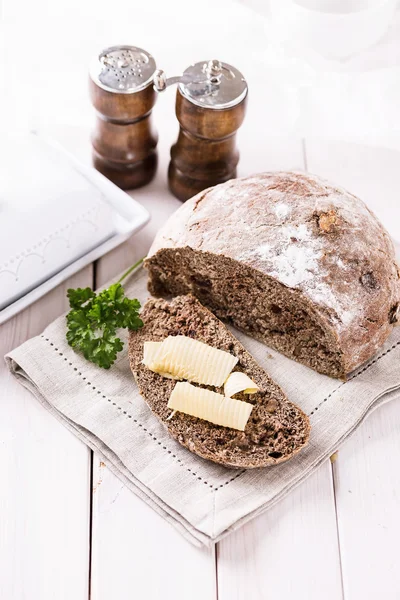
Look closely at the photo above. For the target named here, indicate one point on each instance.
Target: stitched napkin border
(204, 501)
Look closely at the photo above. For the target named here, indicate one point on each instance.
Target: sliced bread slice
(276, 429)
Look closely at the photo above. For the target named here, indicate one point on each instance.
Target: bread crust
(310, 236)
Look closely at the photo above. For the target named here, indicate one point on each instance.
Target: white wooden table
(69, 530)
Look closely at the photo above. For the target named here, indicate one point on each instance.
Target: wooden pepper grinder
(210, 107)
(124, 141)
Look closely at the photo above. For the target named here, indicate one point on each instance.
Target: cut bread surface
(276, 429)
(261, 306)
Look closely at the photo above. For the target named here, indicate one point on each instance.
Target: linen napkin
(204, 501)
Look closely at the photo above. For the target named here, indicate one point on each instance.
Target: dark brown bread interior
(276, 430)
(253, 302)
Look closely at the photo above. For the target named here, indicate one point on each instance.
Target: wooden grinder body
(205, 153)
(124, 140)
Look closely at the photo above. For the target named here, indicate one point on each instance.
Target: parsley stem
(129, 271)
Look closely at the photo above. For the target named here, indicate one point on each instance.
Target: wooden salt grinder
(124, 141)
(210, 107)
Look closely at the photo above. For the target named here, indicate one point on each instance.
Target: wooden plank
(282, 554)
(45, 481)
(367, 483)
(366, 478)
(132, 546)
(134, 551)
(289, 552)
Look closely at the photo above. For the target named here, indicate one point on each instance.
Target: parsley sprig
(93, 320)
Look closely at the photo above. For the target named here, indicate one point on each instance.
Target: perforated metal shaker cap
(213, 84)
(123, 69)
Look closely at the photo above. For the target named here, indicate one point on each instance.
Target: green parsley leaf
(79, 296)
(94, 319)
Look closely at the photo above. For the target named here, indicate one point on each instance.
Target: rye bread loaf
(299, 263)
(276, 429)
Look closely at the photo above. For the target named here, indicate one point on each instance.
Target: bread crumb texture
(276, 430)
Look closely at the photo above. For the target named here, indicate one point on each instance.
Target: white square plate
(56, 216)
